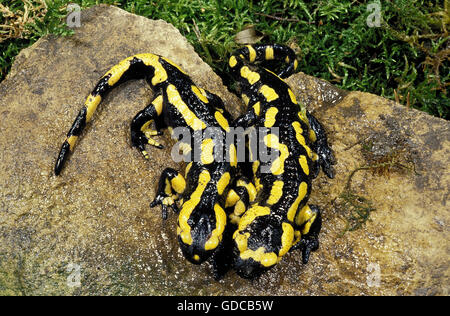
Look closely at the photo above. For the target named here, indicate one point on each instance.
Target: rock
(91, 231)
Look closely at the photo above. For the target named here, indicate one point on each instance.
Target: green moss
(405, 59)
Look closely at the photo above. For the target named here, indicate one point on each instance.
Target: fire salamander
(279, 218)
(178, 102)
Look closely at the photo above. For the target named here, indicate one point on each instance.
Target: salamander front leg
(141, 132)
(320, 146)
(171, 185)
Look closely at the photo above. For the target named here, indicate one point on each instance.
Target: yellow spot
(222, 121)
(302, 116)
(178, 184)
(312, 136)
(304, 164)
(287, 60)
(245, 98)
(305, 217)
(196, 258)
(191, 119)
(277, 167)
(207, 151)
(91, 105)
(270, 117)
(295, 64)
(188, 167)
(223, 182)
(276, 193)
(269, 53)
(232, 61)
(252, 76)
(292, 96)
(257, 108)
(200, 93)
(185, 230)
(72, 140)
(158, 104)
(232, 198)
(216, 234)
(255, 166)
(251, 53)
(168, 188)
(287, 238)
(233, 155)
(314, 156)
(302, 190)
(268, 93)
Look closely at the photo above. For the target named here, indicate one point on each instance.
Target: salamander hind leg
(308, 224)
(171, 185)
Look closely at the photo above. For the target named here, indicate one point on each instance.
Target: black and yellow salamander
(279, 219)
(178, 102)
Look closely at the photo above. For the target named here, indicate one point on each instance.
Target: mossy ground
(405, 59)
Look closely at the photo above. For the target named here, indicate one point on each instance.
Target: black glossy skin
(201, 212)
(279, 220)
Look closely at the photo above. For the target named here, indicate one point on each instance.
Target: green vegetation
(405, 59)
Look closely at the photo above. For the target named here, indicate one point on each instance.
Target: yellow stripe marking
(222, 121)
(304, 164)
(207, 154)
(276, 193)
(184, 230)
(72, 141)
(233, 155)
(216, 234)
(287, 238)
(91, 105)
(302, 190)
(251, 53)
(191, 119)
(299, 135)
(188, 167)
(269, 53)
(118, 70)
(223, 182)
(200, 93)
(270, 117)
(272, 141)
(292, 96)
(252, 213)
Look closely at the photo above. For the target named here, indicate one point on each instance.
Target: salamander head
(200, 234)
(261, 245)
